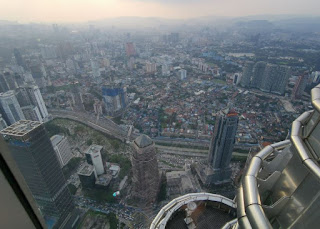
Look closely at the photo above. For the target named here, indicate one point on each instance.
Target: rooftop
(104, 180)
(94, 149)
(143, 141)
(56, 139)
(86, 170)
(7, 94)
(20, 128)
(196, 210)
(203, 218)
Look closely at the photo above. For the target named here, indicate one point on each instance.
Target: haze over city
(150, 114)
(88, 10)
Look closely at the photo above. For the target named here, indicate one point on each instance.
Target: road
(107, 126)
(102, 124)
(190, 152)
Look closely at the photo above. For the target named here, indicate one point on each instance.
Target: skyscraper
(130, 50)
(183, 74)
(237, 78)
(315, 77)
(258, 74)
(221, 146)
(3, 123)
(247, 74)
(62, 149)
(95, 69)
(48, 51)
(93, 156)
(165, 70)
(299, 87)
(31, 95)
(10, 80)
(10, 107)
(18, 57)
(30, 146)
(275, 79)
(3, 84)
(151, 68)
(31, 113)
(266, 77)
(173, 37)
(39, 73)
(145, 170)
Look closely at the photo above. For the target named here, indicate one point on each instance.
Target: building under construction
(145, 170)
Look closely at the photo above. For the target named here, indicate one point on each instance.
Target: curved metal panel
(257, 217)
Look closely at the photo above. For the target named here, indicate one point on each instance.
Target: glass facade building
(31, 148)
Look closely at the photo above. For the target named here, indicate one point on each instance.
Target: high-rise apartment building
(237, 78)
(173, 37)
(130, 50)
(3, 123)
(315, 77)
(266, 77)
(48, 51)
(275, 79)
(31, 95)
(39, 74)
(10, 107)
(10, 80)
(30, 146)
(300, 86)
(258, 74)
(97, 107)
(31, 113)
(95, 69)
(18, 57)
(3, 84)
(93, 156)
(71, 67)
(151, 68)
(247, 74)
(183, 74)
(145, 170)
(62, 149)
(165, 70)
(77, 98)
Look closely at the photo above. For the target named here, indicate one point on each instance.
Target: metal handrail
(165, 213)
(297, 138)
(250, 212)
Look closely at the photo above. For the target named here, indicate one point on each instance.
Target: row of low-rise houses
(174, 109)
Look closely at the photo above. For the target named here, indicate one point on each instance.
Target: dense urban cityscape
(110, 124)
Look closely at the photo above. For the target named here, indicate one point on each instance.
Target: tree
(89, 142)
(54, 129)
(72, 189)
(162, 195)
(71, 166)
(125, 164)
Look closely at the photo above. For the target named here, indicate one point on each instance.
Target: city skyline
(82, 11)
(136, 114)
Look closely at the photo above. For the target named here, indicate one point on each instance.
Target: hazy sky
(84, 10)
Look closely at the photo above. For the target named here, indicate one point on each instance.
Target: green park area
(98, 220)
(79, 132)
